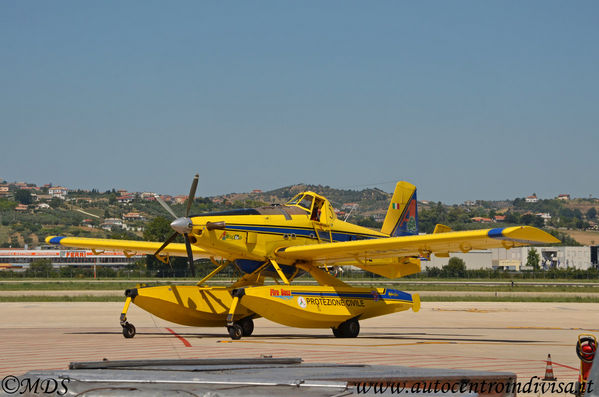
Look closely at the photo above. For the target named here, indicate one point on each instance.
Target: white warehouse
(515, 258)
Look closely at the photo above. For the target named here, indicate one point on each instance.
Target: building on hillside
(532, 199)
(545, 215)
(112, 224)
(126, 199)
(564, 197)
(58, 192)
(133, 216)
(379, 217)
(21, 208)
(148, 196)
(87, 222)
(179, 199)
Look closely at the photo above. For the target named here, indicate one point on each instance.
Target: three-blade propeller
(181, 225)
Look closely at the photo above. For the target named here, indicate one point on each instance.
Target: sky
(466, 99)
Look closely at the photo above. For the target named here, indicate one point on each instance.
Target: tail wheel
(235, 331)
(128, 330)
(247, 326)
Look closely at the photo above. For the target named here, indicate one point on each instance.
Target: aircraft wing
(421, 245)
(129, 246)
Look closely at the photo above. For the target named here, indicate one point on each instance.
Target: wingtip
(54, 239)
(529, 235)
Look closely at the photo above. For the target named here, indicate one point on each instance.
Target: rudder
(402, 215)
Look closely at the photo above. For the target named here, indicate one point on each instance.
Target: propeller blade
(165, 206)
(189, 255)
(192, 194)
(167, 242)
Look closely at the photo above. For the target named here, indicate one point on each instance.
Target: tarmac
(489, 336)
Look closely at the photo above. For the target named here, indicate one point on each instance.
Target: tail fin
(402, 215)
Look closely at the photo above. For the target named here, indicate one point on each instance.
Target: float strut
(124, 313)
(237, 294)
(279, 271)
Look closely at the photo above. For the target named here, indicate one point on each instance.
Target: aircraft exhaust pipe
(215, 225)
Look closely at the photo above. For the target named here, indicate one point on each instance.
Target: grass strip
(547, 299)
(63, 298)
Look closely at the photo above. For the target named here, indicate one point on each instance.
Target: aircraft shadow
(420, 337)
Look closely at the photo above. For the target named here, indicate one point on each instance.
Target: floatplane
(284, 242)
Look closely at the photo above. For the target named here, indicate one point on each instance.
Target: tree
(159, 229)
(56, 203)
(7, 205)
(40, 267)
(23, 196)
(454, 268)
(591, 213)
(533, 259)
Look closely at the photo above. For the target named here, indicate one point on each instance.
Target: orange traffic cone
(549, 370)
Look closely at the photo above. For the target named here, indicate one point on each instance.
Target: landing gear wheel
(352, 329)
(247, 325)
(235, 331)
(347, 329)
(128, 330)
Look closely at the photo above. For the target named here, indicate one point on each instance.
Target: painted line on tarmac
(330, 345)
(395, 344)
(182, 339)
(557, 328)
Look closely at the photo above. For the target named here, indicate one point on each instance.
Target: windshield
(306, 202)
(294, 200)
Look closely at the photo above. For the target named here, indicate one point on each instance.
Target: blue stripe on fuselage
(309, 233)
(390, 294)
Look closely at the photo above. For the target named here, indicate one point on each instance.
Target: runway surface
(514, 337)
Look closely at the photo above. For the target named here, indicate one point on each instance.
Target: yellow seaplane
(284, 242)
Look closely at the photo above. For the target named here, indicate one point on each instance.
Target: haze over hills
(28, 213)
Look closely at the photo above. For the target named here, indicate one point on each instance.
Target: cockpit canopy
(318, 207)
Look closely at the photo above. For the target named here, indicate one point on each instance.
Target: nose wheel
(128, 330)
